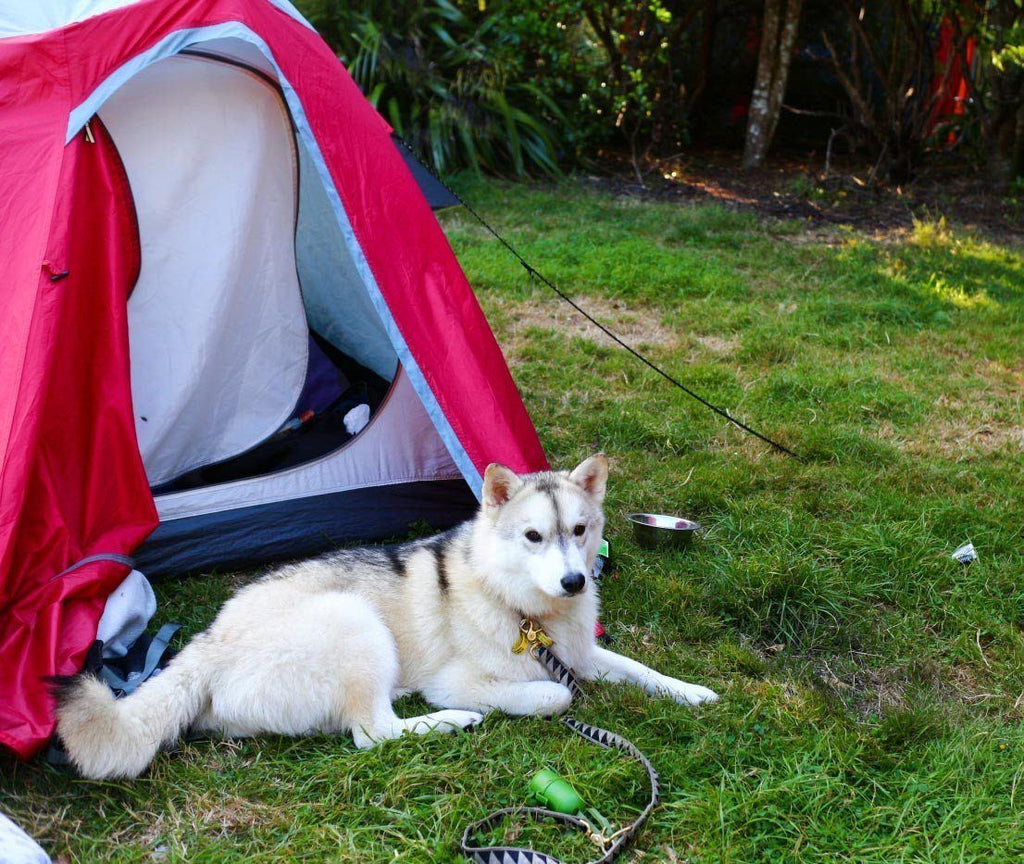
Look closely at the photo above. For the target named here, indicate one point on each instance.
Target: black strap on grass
(123, 675)
(613, 845)
(124, 684)
(540, 277)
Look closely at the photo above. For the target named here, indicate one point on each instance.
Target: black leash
(536, 274)
(611, 845)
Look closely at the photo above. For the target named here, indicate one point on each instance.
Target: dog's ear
(499, 485)
(592, 475)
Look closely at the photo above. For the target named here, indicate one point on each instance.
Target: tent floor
(250, 536)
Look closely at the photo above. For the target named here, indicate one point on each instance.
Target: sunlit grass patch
(959, 295)
(931, 234)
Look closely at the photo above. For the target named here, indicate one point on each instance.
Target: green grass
(872, 688)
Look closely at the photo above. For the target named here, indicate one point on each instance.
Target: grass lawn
(873, 689)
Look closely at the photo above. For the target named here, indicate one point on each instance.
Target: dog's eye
(579, 530)
(533, 536)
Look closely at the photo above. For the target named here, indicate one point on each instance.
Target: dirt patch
(959, 429)
(958, 438)
(717, 345)
(877, 691)
(867, 691)
(152, 833)
(233, 814)
(797, 188)
(838, 235)
(147, 834)
(638, 327)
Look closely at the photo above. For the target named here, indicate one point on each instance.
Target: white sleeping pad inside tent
(217, 327)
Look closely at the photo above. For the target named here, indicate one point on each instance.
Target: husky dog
(325, 645)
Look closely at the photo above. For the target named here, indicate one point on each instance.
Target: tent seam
(457, 427)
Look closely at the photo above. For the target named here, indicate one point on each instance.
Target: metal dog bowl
(652, 530)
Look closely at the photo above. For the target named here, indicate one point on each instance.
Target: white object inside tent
(356, 419)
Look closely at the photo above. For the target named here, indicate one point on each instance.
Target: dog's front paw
(687, 694)
(539, 699)
(451, 719)
(554, 699)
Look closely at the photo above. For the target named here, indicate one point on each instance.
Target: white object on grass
(16, 847)
(965, 554)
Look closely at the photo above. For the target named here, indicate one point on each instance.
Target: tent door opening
(242, 363)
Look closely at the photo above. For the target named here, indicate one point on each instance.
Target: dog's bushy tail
(107, 737)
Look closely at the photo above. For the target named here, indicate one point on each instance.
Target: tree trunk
(781, 21)
(1017, 161)
(709, 21)
(1001, 130)
(1001, 123)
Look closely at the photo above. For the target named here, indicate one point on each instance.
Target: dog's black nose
(573, 583)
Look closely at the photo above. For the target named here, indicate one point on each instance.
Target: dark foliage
(515, 87)
(446, 76)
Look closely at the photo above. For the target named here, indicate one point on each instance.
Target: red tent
(89, 220)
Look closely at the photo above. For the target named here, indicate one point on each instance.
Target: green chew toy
(549, 790)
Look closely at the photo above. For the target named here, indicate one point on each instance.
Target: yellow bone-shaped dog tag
(530, 636)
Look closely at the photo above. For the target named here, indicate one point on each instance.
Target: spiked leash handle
(603, 738)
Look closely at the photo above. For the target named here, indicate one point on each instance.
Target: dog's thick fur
(326, 645)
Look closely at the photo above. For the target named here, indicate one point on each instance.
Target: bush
(514, 87)
(448, 79)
